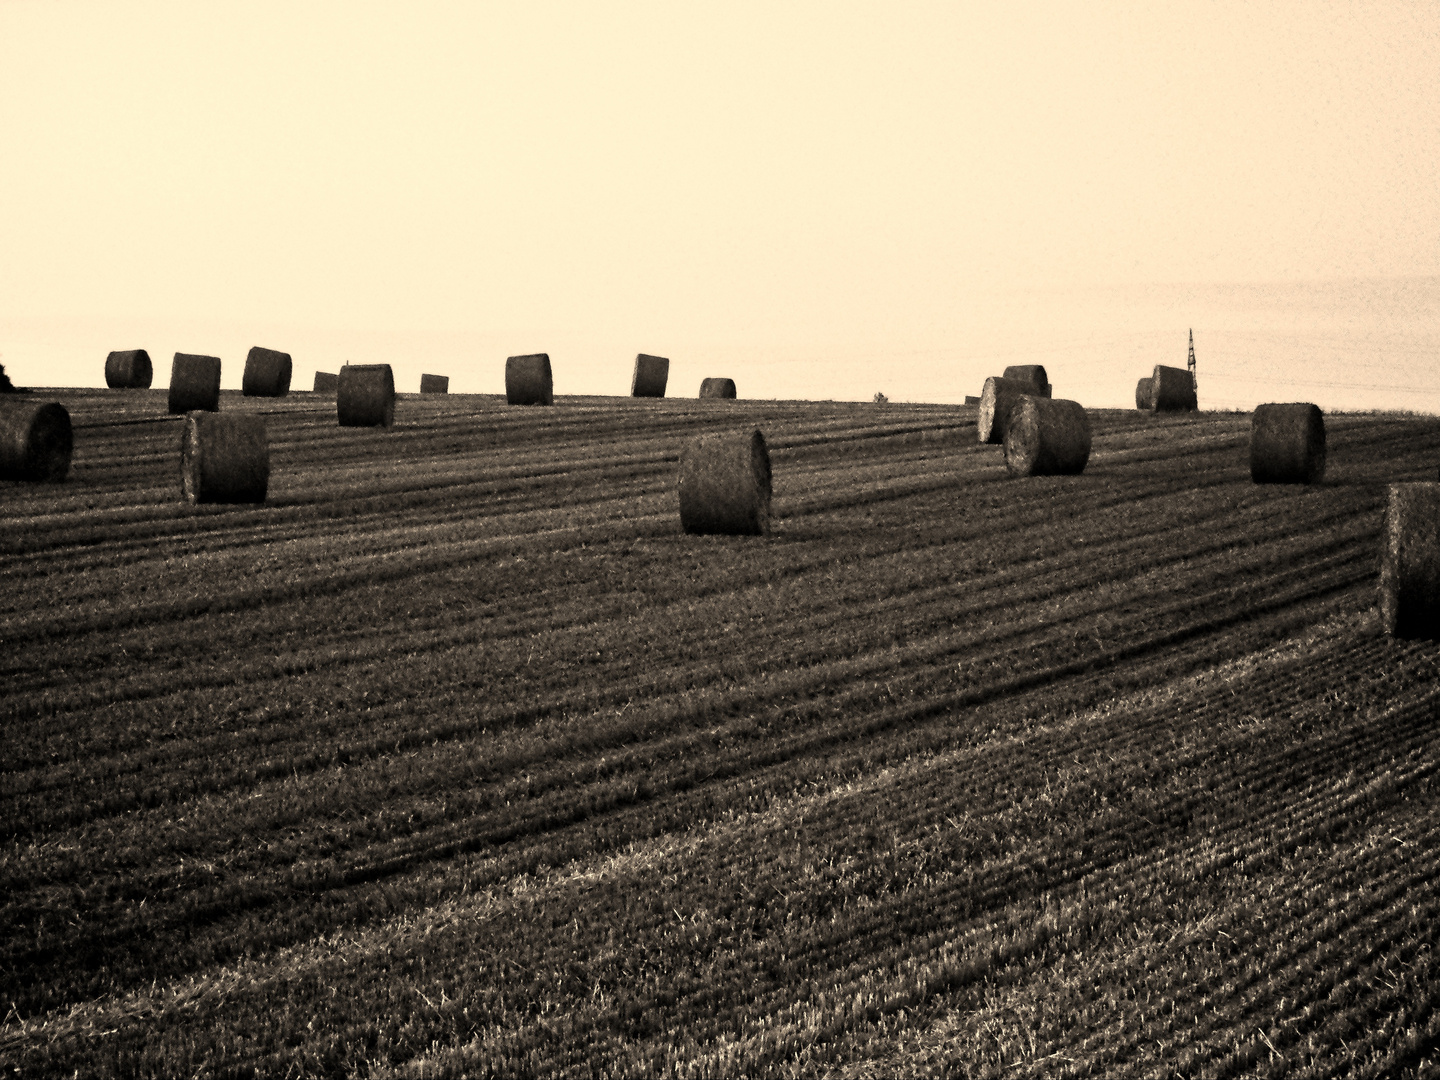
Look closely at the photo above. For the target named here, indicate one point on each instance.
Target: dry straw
(129, 369)
(725, 484)
(1287, 444)
(1410, 568)
(528, 380)
(717, 388)
(35, 440)
(434, 384)
(651, 374)
(326, 382)
(1047, 438)
(1032, 375)
(1145, 395)
(998, 397)
(224, 459)
(365, 395)
(267, 373)
(194, 383)
(1172, 390)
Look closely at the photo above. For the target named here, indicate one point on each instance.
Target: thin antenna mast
(1191, 362)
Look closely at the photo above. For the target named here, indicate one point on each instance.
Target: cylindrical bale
(129, 369)
(434, 384)
(365, 395)
(651, 374)
(725, 484)
(1145, 395)
(224, 458)
(1287, 444)
(1047, 438)
(35, 440)
(1172, 390)
(1032, 375)
(717, 388)
(326, 382)
(267, 373)
(528, 380)
(194, 383)
(1410, 567)
(998, 397)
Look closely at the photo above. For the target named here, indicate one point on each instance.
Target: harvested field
(458, 757)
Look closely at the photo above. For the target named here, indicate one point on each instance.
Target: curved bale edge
(1410, 566)
(326, 382)
(725, 484)
(651, 375)
(434, 384)
(194, 383)
(1287, 443)
(1047, 437)
(1145, 395)
(36, 440)
(267, 373)
(224, 458)
(717, 388)
(129, 369)
(365, 395)
(998, 399)
(528, 380)
(1032, 375)
(1172, 390)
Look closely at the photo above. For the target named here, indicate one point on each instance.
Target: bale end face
(36, 441)
(434, 384)
(194, 383)
(1145, 395)
(651, 375)
(1287, 444)
(365, 396)
(1410, 565)
(998, 399)
(717, 388)
(725, 484)
(267, 373)
(1047, 437)
(224, 458)
(129, 369)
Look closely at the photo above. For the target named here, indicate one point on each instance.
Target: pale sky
(819, 199)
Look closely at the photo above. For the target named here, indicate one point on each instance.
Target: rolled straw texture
(717, 388)
(434, 384)
(725, 484)
(651, 374)
(326, 382)
(365, 395)
(1032, 375)
(528, 380)
(1172, 390)
(129, 369)
(35, 440)
(1145, 395)
(194, 383)
(224, 458)
(998, 397)
(267, 373)
(1287, 444)
(1047, 438)
(1410, 567)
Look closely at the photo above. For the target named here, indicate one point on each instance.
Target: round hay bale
(129, 369)
(651, 374)
(365, 395)
(1172, 390)
(224, 459)
(1145, 395)
(528, 380)
(1410, 567)
(434, 384)
(725, 484)
(194, 383)
(717, 388)
(1047, 438)
(267, 373)
(1287, 444)
(998, 397)
(35, 440)
(326, 382)
(1032, 375)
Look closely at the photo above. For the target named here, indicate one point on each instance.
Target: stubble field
(458, 758)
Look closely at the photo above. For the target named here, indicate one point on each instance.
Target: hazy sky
(826, 199)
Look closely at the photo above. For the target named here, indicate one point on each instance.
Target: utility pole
(1191, 362)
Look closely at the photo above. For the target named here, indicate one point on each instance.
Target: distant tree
(6, 386)
(880, 399)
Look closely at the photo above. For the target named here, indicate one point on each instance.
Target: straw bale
(129, 369)
(997, 398)
(1410, 567)
(326, 382)
(434, 384)
(1047, 437)
(35, 440)
(528, 380)
(1145, 395)
(365, 395)
(1287, 444)
(651, 374)
(725, 484)
(194, 383)
(717, 388)
(267, 373)
(1032, 375)
(224, 458)
(1172, 390)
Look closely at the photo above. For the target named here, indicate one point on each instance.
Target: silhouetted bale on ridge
(434, 384)
(267, 373)
(129, 369)
(1172, 390)
(717, 388)
(365, 395)
(326, 382)
(1032, 375)
(528, 380)
(1145, 394)
(194, 383)
(651, 374)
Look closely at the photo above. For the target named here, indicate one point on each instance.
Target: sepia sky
(819, 199)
